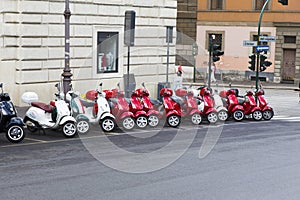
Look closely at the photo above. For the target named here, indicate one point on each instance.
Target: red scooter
(120, 108)
(172, 107)
(149, 106)
(234, 108)
(190, 106)
(267, 111)
(207, 106)
(136, 107)
(251, 110)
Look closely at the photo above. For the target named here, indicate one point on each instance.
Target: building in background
(32, 44)
(233, 21)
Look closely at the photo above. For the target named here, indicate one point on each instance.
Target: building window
(216, 5)
(290, 39)
(259, 4)
(218, 38)
(107, 52)
(254, 38)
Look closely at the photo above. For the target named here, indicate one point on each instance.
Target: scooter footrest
(87, 104)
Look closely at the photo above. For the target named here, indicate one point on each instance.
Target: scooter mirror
(1, 85)
(57, 85)
(118, 84)
(143, 84)
(101, 84)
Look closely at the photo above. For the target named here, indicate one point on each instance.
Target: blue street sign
(262, 48)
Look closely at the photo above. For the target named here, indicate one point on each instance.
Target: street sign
(248, 43)
(262, 48)
(267, 38)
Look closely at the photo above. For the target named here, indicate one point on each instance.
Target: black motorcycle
(9, 122)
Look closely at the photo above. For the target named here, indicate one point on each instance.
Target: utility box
(132, 84)
(160, 86)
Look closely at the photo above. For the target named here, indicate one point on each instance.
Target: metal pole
(67, 71)
(209, 62)
(258, 43)
(128, 64)
(168, 54)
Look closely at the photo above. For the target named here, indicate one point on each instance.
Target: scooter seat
(43, 106)
(155, 102)
(177, 100)
(87, 104)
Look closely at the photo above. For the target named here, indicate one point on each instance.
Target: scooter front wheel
(15, 133)
(108, 124)
(128, 123)
(83, 126)
(238, 115)
(69, 129)
(173, 121)
(222, 115)
(257, 115)
(153, 120)
(141, 121)
(212, 117)
(196, 118)
(268, 114)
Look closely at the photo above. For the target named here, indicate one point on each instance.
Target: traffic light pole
(258, 43)
(209, 63)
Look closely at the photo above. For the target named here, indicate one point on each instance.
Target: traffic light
(263, 63)
(217, 52)
(283, 2)
(252, 62)
(195, 49)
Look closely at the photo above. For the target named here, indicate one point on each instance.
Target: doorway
(288, 68)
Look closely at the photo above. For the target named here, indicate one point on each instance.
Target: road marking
(31, 139)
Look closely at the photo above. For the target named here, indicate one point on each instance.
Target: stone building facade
(32, 44)
(186, 31)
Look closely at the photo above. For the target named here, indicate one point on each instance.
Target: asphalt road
(247, 160)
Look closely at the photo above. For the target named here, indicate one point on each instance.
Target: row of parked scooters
(109, 108)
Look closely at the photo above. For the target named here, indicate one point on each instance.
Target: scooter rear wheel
(69, 129)
(173, 121)
(15, 133)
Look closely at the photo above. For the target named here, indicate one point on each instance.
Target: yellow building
(233, 22)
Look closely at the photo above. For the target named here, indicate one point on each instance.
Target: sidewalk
(248, 84)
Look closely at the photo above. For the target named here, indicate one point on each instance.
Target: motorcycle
(136, 107)
(9, 122)
(97, 111)
(207, 105)
(120, 108)
(251, 110)
(189, 107)
(233, 106)
(149, 106)
(55, 115)
(219, 106)
(267, 111)
(172, 107)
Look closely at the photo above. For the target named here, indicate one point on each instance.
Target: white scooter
(219, 106)
(97, 111)
(42, 116)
